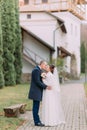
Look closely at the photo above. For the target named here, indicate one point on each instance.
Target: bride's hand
(49, 87)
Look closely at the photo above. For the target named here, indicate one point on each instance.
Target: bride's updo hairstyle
(52, 68)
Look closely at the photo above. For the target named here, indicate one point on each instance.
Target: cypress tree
(1, 52)
(12, 42)
(18, 45)
(8, 33)
(82, 50)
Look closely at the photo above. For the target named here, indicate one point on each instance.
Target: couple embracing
(45, 87)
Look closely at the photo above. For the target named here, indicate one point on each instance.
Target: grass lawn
(85, 85)
(10, 96)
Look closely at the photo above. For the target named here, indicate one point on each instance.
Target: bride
(52, 113)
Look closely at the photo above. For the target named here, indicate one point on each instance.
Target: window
(29, 16)
(26, 2)
(44, 1)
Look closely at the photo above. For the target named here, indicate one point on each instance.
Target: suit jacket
(37, 86)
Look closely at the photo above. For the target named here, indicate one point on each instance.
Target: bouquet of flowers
(43, 75)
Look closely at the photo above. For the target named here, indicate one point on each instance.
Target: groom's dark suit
(35, 93)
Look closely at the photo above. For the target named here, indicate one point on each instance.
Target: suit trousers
(35, 111)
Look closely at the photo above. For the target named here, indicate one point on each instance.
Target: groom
(36, 90)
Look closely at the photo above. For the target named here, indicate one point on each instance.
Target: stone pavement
(74, 105)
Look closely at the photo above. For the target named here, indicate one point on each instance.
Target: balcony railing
(63, 5)
(32, 55)
(73, 6)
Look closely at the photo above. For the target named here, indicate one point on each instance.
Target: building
(84, 32)
(51, 29)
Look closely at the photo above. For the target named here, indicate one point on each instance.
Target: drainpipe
(54, 33)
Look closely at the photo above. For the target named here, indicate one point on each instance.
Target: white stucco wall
(27, 67)
(36, 47)
(72, 39)
(43, 25)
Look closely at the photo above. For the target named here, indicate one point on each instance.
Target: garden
(11, 96)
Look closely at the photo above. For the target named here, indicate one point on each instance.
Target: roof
(38, 38)
(82, 1)
(60, 21)
(64, 52)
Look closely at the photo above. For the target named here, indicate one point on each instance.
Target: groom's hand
(49, 87)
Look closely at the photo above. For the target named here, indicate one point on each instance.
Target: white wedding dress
(52, 113)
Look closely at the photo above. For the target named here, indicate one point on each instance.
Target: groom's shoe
(39, 124)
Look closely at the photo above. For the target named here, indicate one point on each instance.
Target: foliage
(10, 37)
(86, 61)
(1, 53)
(59, 63)
(18, 46)
(82, 50)
(8, 33)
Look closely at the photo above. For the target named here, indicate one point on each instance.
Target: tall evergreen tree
(86, 62)
(12, 42)
(8, 33)
(83, 57)
(18, 45)
(1, 52)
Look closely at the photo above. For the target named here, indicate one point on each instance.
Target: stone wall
(26, 77)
